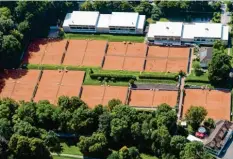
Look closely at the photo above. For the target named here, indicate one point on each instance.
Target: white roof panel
(141, 21)
(67, 20)
(203, 30)
(104, 20)
(225, 34)
(125, 19)
(165, 29)
(193, 138)
(84, 18)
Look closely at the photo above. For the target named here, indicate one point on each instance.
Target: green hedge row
(196, 80)
(115, 76)
(159, 76)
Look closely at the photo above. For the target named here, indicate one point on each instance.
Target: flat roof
(127, 19)
(67, 20)
(141, 21)
(225, 34)
(104, 20)
(84, 18)
(165, 29)
(205, 30)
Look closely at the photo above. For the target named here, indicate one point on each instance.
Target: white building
(177, 33)
(93, 22)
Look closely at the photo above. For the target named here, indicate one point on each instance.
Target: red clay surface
(113, 63)
(117, 48)
(217, 103)
(167, 59)
(75, 52)
(136, 50)
(54, 51)
(152, 98)
(19, 84)
(175, 65)
(94, 95)
(156, 65)
(71, 84)
(58, 84)
(97, 47)
(90, 59)
(158, 51)
(133, 63)
(35, 51)
(48, 86)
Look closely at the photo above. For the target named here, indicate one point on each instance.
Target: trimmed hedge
(159, 76)
(197, 80)
(115, 76)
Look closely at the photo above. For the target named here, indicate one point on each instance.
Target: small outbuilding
(205, 56)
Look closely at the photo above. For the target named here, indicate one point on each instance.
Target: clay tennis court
(117, 48)
(48, 86)
(179, 52)
(152, 98)
(216, 102)
(54, 52)
(19, 84)
(75, 52)
(35, 51)
(58, 83)
(136, 49)
(94, 95)
(156, 65)
(176, 65)
(158, 51)
(134, 64)
(98, 47)
(113, 62)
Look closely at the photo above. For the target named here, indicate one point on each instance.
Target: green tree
(144, 8)
(95, 145)
(4, 150)
(219, 68)
(195, 115)
(161, 139)
(216, 17)
(194, 150)
(44, 113)
(5, 128)
(8, 108)
(156, 13)
(26, 112)
(5, 12)
(26, 129)
(6, 24)
(112, 103)
(10, 51)
(114, 155)
(52, 142)
(197, 68)
(24, 147)
(119, 129)
(177, 144)
(86, 6)
(70, 104)
(209, 123)
(104, 123)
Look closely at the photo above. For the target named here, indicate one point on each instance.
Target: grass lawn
(116, 38)
(73, 150)
(145, 156)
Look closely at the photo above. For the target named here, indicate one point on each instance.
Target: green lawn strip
(146, 156)
(115, 38)
(72, 150)
(141, 81)
(198, 84)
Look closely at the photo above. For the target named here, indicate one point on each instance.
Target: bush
(91, 71)
(197, 80)
(113, 79)
(99, 78)
(131, 82)
(105, 79)
(118, 77)
(154, 76)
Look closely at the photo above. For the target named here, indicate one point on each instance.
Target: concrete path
(225, 16)
(181, 97)
(68, 155)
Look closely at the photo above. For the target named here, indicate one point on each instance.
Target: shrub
(119, 77)
(131, 82)
(99, 78)
(154, 76)
(113, 79)
(91, 71)
(106, 79)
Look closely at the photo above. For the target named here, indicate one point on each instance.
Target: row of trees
(29, 130)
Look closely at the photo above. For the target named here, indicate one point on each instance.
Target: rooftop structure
(93, 21)
(219, 137)
(178, 33)
(205, 56)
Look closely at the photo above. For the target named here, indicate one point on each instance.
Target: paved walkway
(68, 155)
(181, 97)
